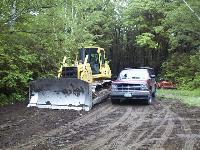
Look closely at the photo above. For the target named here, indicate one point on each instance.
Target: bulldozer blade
(64, 93)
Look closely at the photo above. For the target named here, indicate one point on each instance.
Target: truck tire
(154, 94)
(149, 101)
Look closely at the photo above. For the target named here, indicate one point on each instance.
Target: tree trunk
(13, 16)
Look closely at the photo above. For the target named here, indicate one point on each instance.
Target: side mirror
(152, 76)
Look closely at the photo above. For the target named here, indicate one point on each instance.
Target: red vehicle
(165, 84)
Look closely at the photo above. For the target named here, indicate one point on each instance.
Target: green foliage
(146, 39)
(182, 29)
(183, 69)
(15, 68)
(36, 35)
(189, 97)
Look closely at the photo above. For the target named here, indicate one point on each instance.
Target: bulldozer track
(125, 126)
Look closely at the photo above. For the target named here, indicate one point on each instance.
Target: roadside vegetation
(189, 97)
(35, 35)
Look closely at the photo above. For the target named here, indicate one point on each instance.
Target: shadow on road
(136, 102)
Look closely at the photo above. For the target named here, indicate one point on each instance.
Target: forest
(36, 35)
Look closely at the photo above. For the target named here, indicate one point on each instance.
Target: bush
(183, 69)
(16, 63)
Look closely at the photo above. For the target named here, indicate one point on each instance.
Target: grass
(191, 98)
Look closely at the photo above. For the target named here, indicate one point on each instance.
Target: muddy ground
(165, 124)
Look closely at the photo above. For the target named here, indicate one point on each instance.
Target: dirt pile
(19, 124)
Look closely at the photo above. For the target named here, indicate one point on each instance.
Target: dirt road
(164, 125)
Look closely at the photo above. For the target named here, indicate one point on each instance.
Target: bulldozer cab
(96, 58)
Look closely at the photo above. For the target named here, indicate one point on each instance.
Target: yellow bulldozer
(78, 87)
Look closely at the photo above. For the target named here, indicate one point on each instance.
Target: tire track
(126, 124)
(120, 127)
(94, 143)
(168, 130)
(120, 140)
(139, 142)
(104, 139)
(84, 121)
(189, 141)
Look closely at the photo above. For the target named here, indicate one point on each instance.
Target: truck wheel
(154, 94)
(115, 101)
(149, 101)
